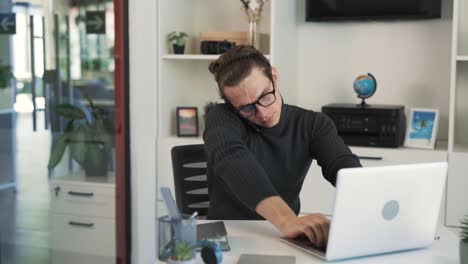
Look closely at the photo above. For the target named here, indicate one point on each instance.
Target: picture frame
(187, 121)
(421, 131)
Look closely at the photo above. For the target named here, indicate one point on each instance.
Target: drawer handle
(81, 194)
(370, 158)
(73, 223)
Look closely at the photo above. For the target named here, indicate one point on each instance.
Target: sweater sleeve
(232, 161)
(328, 148)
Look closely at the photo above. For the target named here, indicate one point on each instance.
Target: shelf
(201, 57)
(462, 58)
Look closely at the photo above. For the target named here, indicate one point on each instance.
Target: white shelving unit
(457, 205)
(184, 80)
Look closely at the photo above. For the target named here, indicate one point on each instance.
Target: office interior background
(116, 54)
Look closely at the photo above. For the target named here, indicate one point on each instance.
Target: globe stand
(363, 103)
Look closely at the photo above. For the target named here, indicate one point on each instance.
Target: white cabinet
(317, 194)
(457, 200)
(83, 216)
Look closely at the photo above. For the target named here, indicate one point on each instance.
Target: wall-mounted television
(326, 10)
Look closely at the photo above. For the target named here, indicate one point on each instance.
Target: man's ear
(274, 74)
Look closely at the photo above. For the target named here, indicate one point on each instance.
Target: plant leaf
(78, 146)
(70, 111)
(57, 150)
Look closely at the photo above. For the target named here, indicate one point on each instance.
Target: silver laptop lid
(385, 209)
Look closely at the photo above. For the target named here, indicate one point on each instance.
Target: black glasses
(265, 100)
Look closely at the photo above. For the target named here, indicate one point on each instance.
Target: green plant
(182, 251)
(464, 229)
(5, 76)
(177, 38)
(89, 134)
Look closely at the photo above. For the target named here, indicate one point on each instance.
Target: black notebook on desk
(214, 231)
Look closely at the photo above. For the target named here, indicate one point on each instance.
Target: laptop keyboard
(304, 242)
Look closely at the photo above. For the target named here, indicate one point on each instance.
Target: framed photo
(421, 131)
(187, 122)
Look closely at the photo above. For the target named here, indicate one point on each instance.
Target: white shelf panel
(194, 57)
(460, 147)
(462, 58)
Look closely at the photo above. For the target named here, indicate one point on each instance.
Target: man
(259, 149)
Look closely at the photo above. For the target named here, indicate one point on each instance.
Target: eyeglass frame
(257, 102)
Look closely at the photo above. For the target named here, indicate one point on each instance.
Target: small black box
(215, 47)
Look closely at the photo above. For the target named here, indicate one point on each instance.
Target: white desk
(260, 237)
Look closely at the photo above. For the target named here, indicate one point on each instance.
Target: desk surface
(260, 237)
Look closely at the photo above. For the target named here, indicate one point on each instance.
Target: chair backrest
(190, 182)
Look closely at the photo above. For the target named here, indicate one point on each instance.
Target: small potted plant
(178, 40)
(90, 135)
(464, 241)
(182, 253)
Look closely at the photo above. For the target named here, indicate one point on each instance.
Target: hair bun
(214, 67)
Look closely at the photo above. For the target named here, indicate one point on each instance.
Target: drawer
(87, 200)
(87, 235)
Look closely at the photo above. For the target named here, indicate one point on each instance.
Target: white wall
(410, 60)
(143, 113)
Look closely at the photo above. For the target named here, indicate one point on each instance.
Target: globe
(365, 86)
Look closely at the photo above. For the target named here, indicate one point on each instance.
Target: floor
(24, 213)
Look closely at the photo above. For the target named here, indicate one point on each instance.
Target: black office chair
(191, 186)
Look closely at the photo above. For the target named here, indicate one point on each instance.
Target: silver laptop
(382, 209)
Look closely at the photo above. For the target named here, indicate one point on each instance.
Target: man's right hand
(313, 226)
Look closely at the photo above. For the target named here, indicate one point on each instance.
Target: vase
(253, 37)
(97, 170)
(178, 49)
(463, 252)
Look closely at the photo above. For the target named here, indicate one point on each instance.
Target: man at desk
(259, 149)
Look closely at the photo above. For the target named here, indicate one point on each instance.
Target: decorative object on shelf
(365, 86)
(253, 9)
(238, 37)
(178, 40)
(90, 135)
(187, 122)
(215, 47)
(422, 128)
(464, 241)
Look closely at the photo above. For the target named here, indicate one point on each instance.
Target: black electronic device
(325, 10)
(215, 47)
(372, 125)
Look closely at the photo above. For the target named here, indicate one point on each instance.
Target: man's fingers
(310, 234)
(320, 235)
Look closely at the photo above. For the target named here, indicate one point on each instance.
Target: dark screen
(317, 10)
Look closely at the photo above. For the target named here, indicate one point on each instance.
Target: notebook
(265, 259)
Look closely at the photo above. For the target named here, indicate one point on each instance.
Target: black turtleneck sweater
(248, 163)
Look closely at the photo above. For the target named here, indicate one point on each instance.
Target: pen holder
(177, 239)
